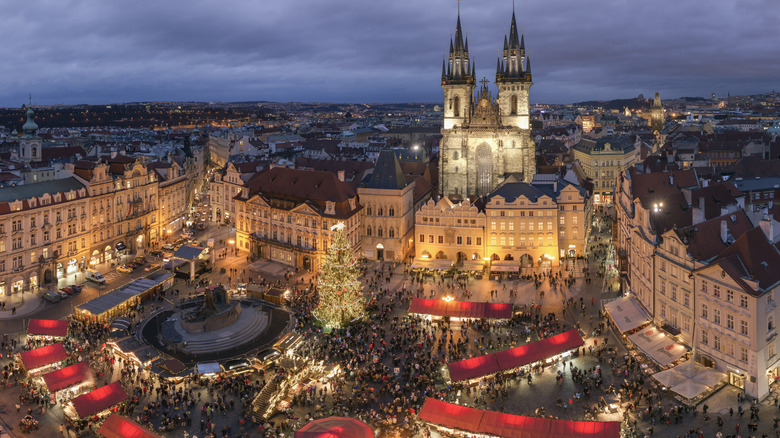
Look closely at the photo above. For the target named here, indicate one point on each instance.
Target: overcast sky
(99, 51)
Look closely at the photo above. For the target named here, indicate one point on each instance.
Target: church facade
(485, 139)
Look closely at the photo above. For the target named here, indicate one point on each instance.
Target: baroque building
(485, 140)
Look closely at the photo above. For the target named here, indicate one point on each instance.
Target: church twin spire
(513, 65)
(460, 66)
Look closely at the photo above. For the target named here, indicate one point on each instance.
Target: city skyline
(87, 52)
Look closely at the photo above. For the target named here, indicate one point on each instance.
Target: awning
(189, 252)
(472, 266)
(437, 264)
(626, 314)
(68, 376)
(117, 426)
(43, 356)
(505, 266)
(461, 309)
(514, 357)
(654, 343)
(512, 426)
(99, 400)
(47, 327)
(335, 427)
(208, 368)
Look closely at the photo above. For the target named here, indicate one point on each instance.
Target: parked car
(52, 297)
(156, 253)
(95, 276)
(62, 294)
(168, 247)
(125, 269)
(76, 288)
(152, 267)
(70, 290)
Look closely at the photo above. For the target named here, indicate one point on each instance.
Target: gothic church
(485, 140)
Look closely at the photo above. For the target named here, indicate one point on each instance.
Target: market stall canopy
(437, 264)
(43, 356)
(505, 266)
(189, 252)
(68, 376)
(335, 427)
(103, 303)
(626, 314)
(654, 343)
(512, 426)
(514, 357)
(669, 378)
(47, 327)
(208, 368)
(117, 426)
(99, 400)
(700, 373)
(690, 388)
(461, 309)
(472, 266)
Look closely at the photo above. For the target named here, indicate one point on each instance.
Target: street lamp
(657, 207)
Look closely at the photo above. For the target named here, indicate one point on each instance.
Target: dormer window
(330, 207)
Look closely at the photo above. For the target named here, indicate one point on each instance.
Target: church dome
(30, 127)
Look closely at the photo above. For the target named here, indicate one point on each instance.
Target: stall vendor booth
(461, 309)
(117, 426)
(657, 345)
(288, 343)
(47, 329)
(124, 299)
(129, 348)
(98, 402)
(66, 383)
(457, 420)
(335, 427)
(626, 314)
(208, 370)
(547, 350)
(42, 360)
(274, 296)
(170, 370)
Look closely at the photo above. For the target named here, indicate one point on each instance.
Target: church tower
(457, 80)
(657, 120)
(513, 79)
(30, 144)
(485, 140)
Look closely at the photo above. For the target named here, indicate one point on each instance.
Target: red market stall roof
(514, 357)
(67, 377)
(99, 400)
(335, 427)
(47, 327)
(512, 426)
(43, 356)
(461, 309)
(117, 426)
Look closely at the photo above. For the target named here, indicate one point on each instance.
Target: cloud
(74, 51)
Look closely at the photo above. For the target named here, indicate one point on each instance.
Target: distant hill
(618, 104)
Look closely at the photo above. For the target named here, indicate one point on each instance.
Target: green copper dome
(30, 127)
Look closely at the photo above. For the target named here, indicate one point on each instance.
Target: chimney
(724, 232)
(671, 179)
(341, 175)
(702, 216)
(768, 228)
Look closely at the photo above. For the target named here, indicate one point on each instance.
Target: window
(704, 286)
(770, 323)
(459, 240)
(663, 310)
(562, 220)
(730, 322)
(468, 240)
(511, 226)
(549, 226)
(716, 316)
(479, 241)
(503, 240)
(368, 230)
(391, 211)
(705, 339)
(391, 232)
(704, 311)
(441, 240)
(686, 299)
(492, 240)
(743, 301)
(743, 327)
(422, 238)
(771, 349)
(493, 226)
(716, 342)
(743, 354)
(716, 291)
(503, 225)
(379, 233)
(662, 287)
(674, 293)
(430, 238)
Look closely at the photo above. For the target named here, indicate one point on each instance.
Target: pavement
(26, 303)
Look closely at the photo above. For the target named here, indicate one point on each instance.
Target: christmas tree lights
(341, 294)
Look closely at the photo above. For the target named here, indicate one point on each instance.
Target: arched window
(379, 232)
(456, 110)
(368, 210)
(34, 152)
(513, 106)
(455, 155)
(379, 212)
(392, 211)
(368, 230)
(391, 232)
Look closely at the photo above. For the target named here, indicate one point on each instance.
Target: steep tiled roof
(752, 257)
(387, 173)
(61, 152)
(703, 239)
(752, 167)
(716, 195)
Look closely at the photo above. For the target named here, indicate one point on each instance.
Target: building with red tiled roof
(285, 215)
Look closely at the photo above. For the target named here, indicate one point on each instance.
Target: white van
(96, 276)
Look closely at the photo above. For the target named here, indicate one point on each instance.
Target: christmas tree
(341, 293)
